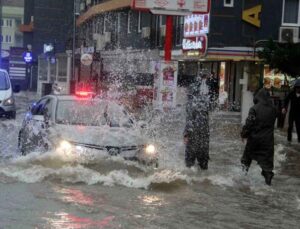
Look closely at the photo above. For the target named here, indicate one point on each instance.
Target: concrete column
(247, 96)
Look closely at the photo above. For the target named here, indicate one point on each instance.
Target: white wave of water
(37, 167)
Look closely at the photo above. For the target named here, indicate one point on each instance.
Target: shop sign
(196, 24)
(195, 44)
(86, 59)
(27, 56)
(252, 15)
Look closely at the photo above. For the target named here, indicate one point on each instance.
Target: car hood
(100, 136)
(5, 94)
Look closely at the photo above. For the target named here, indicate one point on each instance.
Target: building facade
(126, 41)
(48, 34)
(11, 16)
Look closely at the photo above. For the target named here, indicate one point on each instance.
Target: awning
(101, 8)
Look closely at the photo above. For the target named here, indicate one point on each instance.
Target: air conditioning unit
(107, 37)
(289, 34)
(146, 31)
(100, 43)
(163, 31)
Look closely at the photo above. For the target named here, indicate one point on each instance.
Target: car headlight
(150, 149)
(65, 146)
(8, 102)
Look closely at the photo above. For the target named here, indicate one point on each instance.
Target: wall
(226, 21)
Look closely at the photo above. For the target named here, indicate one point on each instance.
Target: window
(140, 22)
(8, 39)
(228, 3)
(291, 9)
(179, 21)
(129, 21)
(4, 83)
(9, 23)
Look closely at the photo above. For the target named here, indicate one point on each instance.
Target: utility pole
(74, 40)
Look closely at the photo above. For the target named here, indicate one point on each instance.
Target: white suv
(7, 101)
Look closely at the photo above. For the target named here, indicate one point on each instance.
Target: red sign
(173, 7)
(195, 44)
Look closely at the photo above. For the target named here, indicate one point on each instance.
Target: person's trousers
(293, 119)
(197, 151)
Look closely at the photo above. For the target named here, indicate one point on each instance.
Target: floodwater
(51, 191)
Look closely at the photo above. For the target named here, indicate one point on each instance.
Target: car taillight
(83, 93)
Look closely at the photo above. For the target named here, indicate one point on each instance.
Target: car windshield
(92, 113)
(4, 84)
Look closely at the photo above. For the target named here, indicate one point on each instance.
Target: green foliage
(283, 57)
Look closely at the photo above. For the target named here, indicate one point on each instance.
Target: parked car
(7, 100)
(71, 124)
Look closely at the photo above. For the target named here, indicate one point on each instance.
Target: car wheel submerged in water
(11, 115)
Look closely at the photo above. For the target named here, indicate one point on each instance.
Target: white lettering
(188, 44)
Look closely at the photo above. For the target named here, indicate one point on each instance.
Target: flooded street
(52, 191)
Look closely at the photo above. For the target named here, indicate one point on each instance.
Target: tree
(283, 57)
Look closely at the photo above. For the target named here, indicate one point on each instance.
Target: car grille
(108, 148)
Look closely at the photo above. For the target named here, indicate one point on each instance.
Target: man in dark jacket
(259, 132)
(294, 100)
(196, 133)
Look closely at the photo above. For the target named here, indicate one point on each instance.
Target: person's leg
(203, 157)
(297, 122)
(246, 159)
(267, 165)
(290, 128)
(190, 156)
(203, 146)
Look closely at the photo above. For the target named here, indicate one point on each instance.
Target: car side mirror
(31, 106)
(16, 88)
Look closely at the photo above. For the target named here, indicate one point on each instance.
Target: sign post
(165, 72)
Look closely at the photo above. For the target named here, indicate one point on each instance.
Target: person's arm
(249, 125)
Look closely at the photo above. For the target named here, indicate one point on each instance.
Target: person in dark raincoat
(259, 132)
(293, 99)
(196, 133)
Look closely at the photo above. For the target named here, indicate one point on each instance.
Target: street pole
(74, 40)
(169, 37)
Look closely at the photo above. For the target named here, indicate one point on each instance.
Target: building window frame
(283, 14)
(129, 21)
(179, 24)
(228, 4)
(140, 22)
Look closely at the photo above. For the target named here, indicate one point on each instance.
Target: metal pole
(169, 37)
(74, 40)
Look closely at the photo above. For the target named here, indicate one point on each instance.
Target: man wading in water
(196, 133)
(259, 132)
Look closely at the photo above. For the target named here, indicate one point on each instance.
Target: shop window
(129, 22)
(291, 9)
(140, 22)
(179, 21)
(228, 3)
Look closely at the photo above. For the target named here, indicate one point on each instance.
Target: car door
(35, 126)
